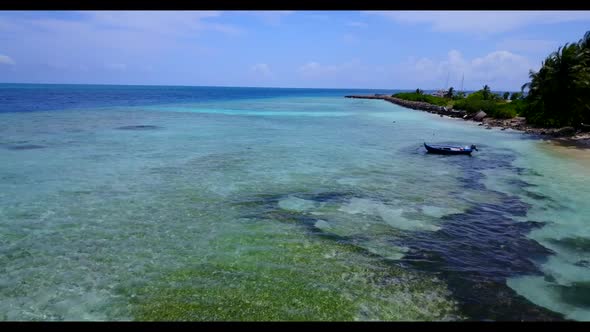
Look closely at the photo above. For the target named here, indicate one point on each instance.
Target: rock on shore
(417, 105)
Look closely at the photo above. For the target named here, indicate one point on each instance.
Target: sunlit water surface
(280, 205)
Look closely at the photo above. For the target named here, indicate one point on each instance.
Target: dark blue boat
(450, 149)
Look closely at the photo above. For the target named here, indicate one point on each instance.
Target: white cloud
(357, 24)
(481, 22)
(502, 70)
(499, 69)
(121, 29)
(261, 69)
(160, 22)
(95, 39)
(6, 60)
(350, 74)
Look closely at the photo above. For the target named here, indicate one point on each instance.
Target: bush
(474, 105)
(459, 95)
(496, 108)
(505, 111)
(477, 95)
(516, 95)
(412, 96)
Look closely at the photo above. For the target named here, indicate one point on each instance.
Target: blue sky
(332, 49)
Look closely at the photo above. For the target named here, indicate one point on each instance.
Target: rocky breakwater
(417, 105)
(580, 137)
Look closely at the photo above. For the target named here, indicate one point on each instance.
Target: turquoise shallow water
(290, 207)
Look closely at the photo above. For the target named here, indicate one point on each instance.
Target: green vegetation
(516, 95)
(558, 94)
(493, 104)
(419, 96)
(490, 103)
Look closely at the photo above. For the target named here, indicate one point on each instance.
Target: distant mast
(462, 79)
(442, 92)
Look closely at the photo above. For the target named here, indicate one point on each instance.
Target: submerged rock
(138, 127)
(25, 147)
(296, 204)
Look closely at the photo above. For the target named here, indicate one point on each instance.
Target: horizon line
(234, 86)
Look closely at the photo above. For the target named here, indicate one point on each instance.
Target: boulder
(565, 131)
(479, 116)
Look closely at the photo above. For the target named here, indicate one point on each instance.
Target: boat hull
(447, 149)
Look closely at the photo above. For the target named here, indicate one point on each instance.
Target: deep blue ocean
(49, 97)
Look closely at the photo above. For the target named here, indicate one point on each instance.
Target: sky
(307, 49)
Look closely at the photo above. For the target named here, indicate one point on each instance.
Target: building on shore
(440, 93)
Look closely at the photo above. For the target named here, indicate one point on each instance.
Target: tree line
(559, 93)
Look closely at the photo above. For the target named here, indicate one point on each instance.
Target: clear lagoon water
(210, 203)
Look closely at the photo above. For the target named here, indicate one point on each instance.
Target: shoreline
(566, 136)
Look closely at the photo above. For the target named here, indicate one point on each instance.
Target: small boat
(450, 149)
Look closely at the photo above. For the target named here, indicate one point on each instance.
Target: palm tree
(558, 92)
(584, 43)
(486, 92)
(419, 92)
(450, 93)
(584, 78)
